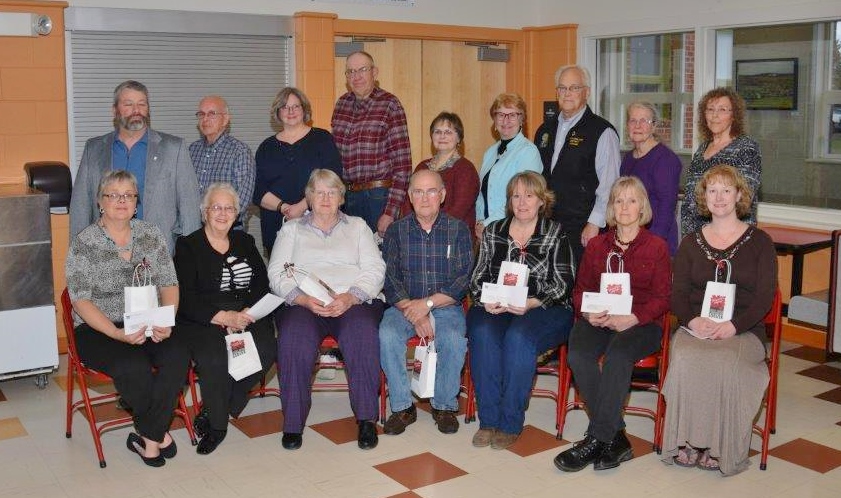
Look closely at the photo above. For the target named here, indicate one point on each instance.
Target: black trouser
(604, 389)
(221, 395)
(152, 396)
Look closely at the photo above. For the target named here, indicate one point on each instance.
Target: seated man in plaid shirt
(428, 258)
(219, 157)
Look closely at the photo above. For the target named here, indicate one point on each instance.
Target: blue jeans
(367, 204)
(450, 343)
(503, 359)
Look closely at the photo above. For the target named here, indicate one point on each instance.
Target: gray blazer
(171, 193)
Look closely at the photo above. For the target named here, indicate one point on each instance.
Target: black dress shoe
(291, 440)
(210, 441)
(580, 455)
(368, 438)
(201, 424)
(615, 452)
(135, 444)
(170, 451)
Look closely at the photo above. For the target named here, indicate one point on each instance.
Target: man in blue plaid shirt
(428, 257)
(219, 157)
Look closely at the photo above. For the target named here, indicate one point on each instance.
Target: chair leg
(565, 379)
(185, 416)
(86, 400)
(383, 396)
(70, 378)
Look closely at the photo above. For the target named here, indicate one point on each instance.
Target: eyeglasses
(430, 193)
(717, 110)
(114, 197)
(641, 122)
(443, 133)
(211, 115)
(290, 108)
(329, 194)
(571, 89)
(350, 73)
(507, 116)
(217, 208)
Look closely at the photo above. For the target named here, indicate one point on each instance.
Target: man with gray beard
(166, 181)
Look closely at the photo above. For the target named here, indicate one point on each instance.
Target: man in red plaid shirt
(369, 127)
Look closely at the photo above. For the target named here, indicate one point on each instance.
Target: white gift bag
(423, 372)
(141, 295)
(513, 274)
(615, 283)
(243, 359)
(719, 297)
(310, 284)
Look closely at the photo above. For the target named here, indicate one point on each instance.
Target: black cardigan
(199, 269)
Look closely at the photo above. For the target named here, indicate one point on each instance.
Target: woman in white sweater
(341, 252)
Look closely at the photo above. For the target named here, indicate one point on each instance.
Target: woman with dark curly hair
(721, 123)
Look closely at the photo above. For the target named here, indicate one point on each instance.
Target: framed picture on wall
(767, 83)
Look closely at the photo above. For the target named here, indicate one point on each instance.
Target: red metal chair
(466, 380)
(658, 363)
(536, 392)
(77, 371)
(773, 323)
(466, 385)
(329, 342)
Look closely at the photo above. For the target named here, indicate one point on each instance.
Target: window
(653, 68)
(801, 147)
(833, 95)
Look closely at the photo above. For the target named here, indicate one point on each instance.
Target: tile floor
(37, 460)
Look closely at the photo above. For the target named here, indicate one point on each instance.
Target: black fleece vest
(574, 179)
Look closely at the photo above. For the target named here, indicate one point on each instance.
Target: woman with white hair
(221, 274)
(341, 251)
(658, 168)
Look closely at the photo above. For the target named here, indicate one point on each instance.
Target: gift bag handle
(720, 263)
(621, 262)
(142, 274)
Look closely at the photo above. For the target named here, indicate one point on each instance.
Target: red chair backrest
(67, 319)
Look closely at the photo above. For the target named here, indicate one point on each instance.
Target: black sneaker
(615, 452)
(582, 454)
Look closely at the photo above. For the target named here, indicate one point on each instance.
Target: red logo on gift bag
(237, 348)
(717, 306)
(509, 279)
(614, 289)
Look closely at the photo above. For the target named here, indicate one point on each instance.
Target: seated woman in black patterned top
(100, 264)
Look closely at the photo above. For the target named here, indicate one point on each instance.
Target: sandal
(707, 462)
(687, 456)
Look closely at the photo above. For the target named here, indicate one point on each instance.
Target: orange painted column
(314, 47)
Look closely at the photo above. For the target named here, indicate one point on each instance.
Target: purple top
(659, 171)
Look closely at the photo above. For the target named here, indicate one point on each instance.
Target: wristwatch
(429, 303)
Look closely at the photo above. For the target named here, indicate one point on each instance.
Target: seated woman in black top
(221, 274)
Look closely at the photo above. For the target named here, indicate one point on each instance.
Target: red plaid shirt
(373, 140)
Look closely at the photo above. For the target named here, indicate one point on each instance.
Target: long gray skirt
(713, 393)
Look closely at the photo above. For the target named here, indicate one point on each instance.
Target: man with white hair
(581, 158)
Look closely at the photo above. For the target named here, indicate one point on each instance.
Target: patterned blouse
(97, 273)
(743, 154)
(547, 254)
